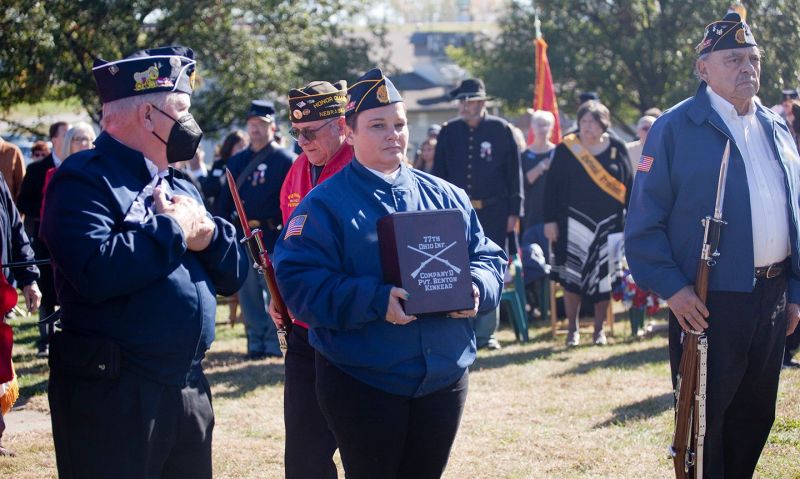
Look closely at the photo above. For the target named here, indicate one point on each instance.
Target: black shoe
(43, 352)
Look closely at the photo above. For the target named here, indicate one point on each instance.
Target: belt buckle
(773, 271)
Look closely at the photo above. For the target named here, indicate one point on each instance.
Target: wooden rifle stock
(690, 385)
(687, 413)
(254, 240)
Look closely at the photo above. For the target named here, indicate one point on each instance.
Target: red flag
(544, 95)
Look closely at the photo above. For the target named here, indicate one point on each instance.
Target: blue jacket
(332, 279)
(663, 235)
(131, 281)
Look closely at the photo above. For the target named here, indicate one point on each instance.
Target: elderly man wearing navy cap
(754, 285)
(138, 263)
(391, 387)
(259, 170)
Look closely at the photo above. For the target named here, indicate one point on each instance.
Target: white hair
(118, 111)
(543, 115)
(80, 127)
(646, 120)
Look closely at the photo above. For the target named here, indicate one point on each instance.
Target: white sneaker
(600, 339)
(573, 339)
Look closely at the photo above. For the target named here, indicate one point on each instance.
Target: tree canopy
(246, 49)
(636, 54)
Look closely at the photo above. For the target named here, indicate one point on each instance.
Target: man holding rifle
(754, 285)
(317, 115)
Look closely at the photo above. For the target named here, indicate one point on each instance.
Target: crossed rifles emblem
(432, 257)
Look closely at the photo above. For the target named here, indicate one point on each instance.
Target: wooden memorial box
(425, 253)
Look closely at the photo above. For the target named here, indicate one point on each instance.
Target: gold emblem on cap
(306, 112)
(740, 35)
(382, 94)
(297, 114)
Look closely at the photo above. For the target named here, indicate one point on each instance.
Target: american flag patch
(295, 226)
(645, 163)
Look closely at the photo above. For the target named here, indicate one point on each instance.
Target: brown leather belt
(772, 271)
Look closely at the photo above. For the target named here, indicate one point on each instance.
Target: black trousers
(309, 443)
(746, 336)
(382, 435)
(130, 428)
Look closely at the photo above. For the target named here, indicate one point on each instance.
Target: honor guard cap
(372, 90)
(728, 33)
(317, 100)
(163, 69)
(262, 109)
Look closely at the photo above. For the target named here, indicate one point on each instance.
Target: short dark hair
(55, 127)
(598, 111)
(351, 121)
(40, 146)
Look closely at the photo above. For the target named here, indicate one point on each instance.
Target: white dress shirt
(765, 180)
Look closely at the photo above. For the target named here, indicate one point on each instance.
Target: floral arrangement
(634, 297)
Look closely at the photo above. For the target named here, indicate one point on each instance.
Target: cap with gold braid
(372, 90)
(317, 100)
(728, 33)
(164, 69)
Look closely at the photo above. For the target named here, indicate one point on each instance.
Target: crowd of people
(384, 387)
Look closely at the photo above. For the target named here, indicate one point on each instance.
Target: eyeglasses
(81, 139)
(308, 133)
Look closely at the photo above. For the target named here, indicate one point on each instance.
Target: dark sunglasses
(308, 133)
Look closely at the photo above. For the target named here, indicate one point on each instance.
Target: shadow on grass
(26, 331)
(627, 360)
(505, 357)
(28, 391)
(238, 376)
(638, 411)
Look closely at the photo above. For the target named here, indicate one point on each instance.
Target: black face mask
(184, 137)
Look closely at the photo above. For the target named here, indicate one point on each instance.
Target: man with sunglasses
(259, 170)
(317, 115)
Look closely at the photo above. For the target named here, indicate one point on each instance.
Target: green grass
(535, 410)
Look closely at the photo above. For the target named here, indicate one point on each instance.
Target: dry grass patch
(536, 410)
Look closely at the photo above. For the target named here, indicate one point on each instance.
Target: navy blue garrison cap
(728, 33)
(262, 109)
(372, 90)
(164, 69)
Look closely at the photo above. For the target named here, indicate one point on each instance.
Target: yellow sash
(602, 178)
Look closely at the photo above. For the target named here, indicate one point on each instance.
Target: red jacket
(298, 181)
